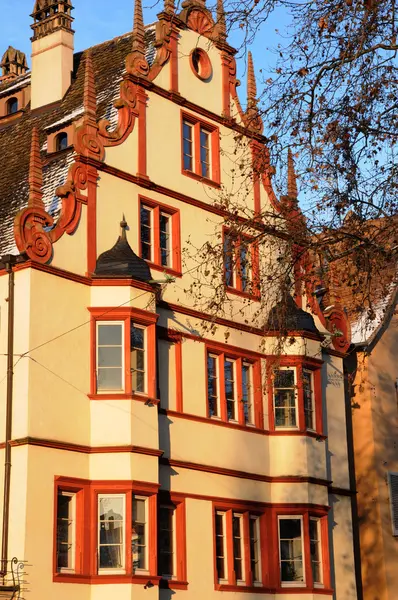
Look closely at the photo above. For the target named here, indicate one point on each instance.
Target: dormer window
(12, 106)
(61, 141)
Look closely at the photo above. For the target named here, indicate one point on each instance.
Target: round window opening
(200, 64)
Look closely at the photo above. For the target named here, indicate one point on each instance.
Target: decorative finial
(123, 225)
(169, 7)
(138, 29)
(90, 96)
(35, 172)
(291, 176)
(251, 82)
(221, 24)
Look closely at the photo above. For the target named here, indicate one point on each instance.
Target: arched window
(61, 141)
(12, 106)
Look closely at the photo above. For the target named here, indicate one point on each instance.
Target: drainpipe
(8, 261)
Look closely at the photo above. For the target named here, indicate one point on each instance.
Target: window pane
(229, 261)
(247, 395)
(109, 356)
(290, 549)
(146, 233)
(212, 385)
(166, 545)
(65, 531)
(284, 378)
(138, 360)
(308, 401)
(109, 379)
(187, 146)
(237, 545)
(284, 398)
(254, 548)
(220, 546)
(165, 239)
(205, 153)
(111, 532)
(229, 377)
(245, 266)
(139, 533)
(315, 551)
(109, 335)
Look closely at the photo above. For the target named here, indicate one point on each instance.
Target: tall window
(167, 542)
(315, 549)
(111, 533)
(110, 356)
(138, 359)
(12, 106)
(240, 263)
(285, 398)
(291, 550)
(200, 149)
(159, 235)
(230, 388)
(139, 534)
(66, 531)
(309, 411)
(237, 545)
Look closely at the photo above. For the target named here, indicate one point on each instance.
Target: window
(167, 542)
(160, 235)
(240, 264)
(123, 353)
(301, 560)
(200, 64)
(110, 356)
(171, 540)
(111, 534)
(61, 141)
(393, 487)
(285, 398)
(230, 389)
(139, 534)
(309, 411)
(295, 395)
(12, 106)
(237, 548)
(66, 531)
(291, 550)
(200, 149)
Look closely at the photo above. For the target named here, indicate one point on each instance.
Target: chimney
(13, 63)
(52, 51)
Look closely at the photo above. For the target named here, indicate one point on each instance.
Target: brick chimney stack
(52, 51)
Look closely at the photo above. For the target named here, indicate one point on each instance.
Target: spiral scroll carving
(136, 64)
(30, 235)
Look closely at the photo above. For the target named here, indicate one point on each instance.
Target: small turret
(13, 63)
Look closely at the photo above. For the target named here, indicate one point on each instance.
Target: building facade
(152, 450)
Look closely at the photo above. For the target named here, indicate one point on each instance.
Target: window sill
(173, 584)
(232, 290)
(124, 396)
(168, 270)
(106, 579)
(202, 179)
(320, 437)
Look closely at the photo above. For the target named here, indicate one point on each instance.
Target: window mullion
(223, 399)
(196, 129)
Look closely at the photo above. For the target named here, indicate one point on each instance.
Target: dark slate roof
(15, 136)
(287, 316)
(121, 261)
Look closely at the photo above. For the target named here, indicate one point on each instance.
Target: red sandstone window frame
(175, 251)
(177, 502)
(269, 547)
(224, 353)
(196, 172)
(87, 522)
(300, 364)
(126, 315)
(237, 285)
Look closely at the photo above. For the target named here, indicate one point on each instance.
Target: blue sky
(100, 20)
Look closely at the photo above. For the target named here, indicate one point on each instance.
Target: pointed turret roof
(121, 260)
(291, 176)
